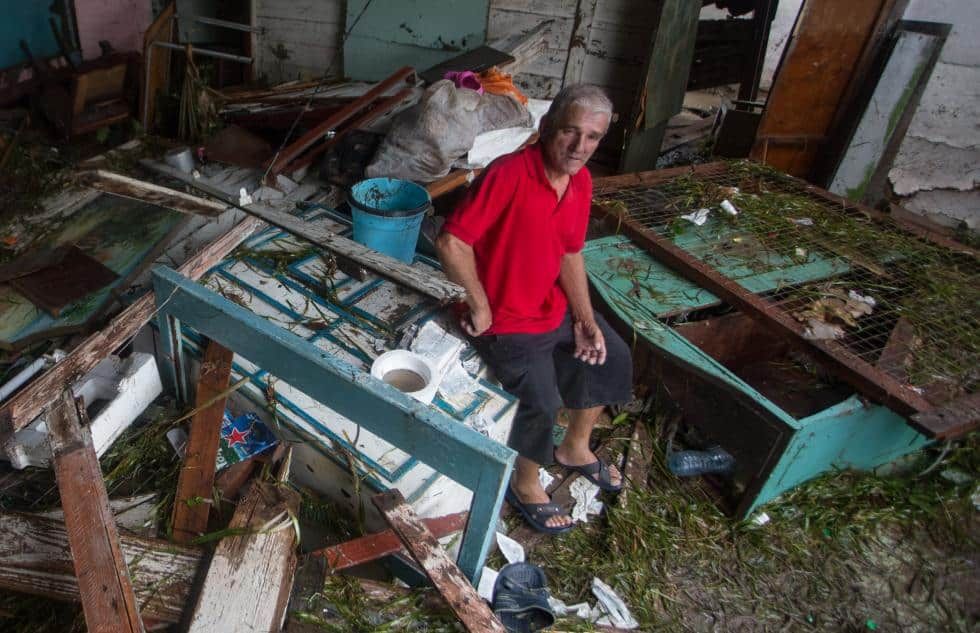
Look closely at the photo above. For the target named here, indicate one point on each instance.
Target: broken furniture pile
(794, 311)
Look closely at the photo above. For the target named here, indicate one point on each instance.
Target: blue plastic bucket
(387, 214)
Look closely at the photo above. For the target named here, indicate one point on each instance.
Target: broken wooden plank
(103, 577)
(21, 409)
(295, 149)
(524, 47)
(195, 484)
(578, 46)
(251, 574)
(639, 455)
(463, 599)
(865, 378)
(35, 559)
(119, 185)
(952, 420)
(430, 283)
(374, 546)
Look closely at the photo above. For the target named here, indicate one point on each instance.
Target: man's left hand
(590, 345)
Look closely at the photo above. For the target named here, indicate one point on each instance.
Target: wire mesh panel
(899, 302)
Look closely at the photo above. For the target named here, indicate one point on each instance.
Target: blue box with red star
(243, 437)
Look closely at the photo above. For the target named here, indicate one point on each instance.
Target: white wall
(937, 170)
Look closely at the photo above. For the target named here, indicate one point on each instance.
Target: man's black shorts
(542, 372)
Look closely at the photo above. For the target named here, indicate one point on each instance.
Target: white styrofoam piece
(127, 385)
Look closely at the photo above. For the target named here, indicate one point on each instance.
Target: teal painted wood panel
(634, 273)
(418, 33)
(102, 229)
(461, 453)
(852, 434)
(646, 324)
(26, 21)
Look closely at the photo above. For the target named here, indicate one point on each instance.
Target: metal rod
(205, 52)
(237, 26)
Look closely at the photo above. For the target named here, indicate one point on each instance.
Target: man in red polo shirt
(514, 243)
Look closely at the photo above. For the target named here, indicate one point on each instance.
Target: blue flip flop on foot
(538, 513)
(597, 472)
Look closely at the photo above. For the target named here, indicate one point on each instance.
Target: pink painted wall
(122, 22)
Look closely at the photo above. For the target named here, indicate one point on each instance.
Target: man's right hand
(476, 321)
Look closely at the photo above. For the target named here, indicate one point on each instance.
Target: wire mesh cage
(901, 303)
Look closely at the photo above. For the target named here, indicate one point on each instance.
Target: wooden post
(196, 483)
(103, 578)
(251, 575)
(463, 599)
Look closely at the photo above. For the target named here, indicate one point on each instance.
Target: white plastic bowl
(393, 368)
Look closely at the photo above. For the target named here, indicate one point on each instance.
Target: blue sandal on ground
(597, 472)
(520, 598)
(538, 513)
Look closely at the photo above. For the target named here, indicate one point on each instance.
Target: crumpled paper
(584, 493)
(609, 610)
(698, 218)
(617, 614)
(511, 549)
(487, 580)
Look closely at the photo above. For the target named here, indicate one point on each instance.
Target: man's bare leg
(574, 449)
(526, 484)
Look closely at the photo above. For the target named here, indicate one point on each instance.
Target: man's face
(571, 142)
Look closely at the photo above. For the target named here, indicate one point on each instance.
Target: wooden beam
(430, 283)
(106, 592)
(35, 559)
(251, 574)
(117, 184)
(295, 149)
(195, 484)
(952, 420)
(524, 47)
(374, 546)
(463, 599)
(865, 378)
(21, 409)
(578, 45)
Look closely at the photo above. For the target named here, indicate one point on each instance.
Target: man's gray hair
(591, 97)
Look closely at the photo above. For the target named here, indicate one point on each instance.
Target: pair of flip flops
(520, 598)
(597, 472)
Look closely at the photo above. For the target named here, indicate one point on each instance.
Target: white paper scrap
(584, 493)
(487, 579)
(761, 519)
(243, 197)
(545, 478)
(728, 207)
(437, 345)
(617, 614)
(511, 549)
(580, 610)
(861, 298)
(698, 218)
(802, 221)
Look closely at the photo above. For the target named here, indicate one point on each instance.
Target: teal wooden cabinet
(735, 382)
